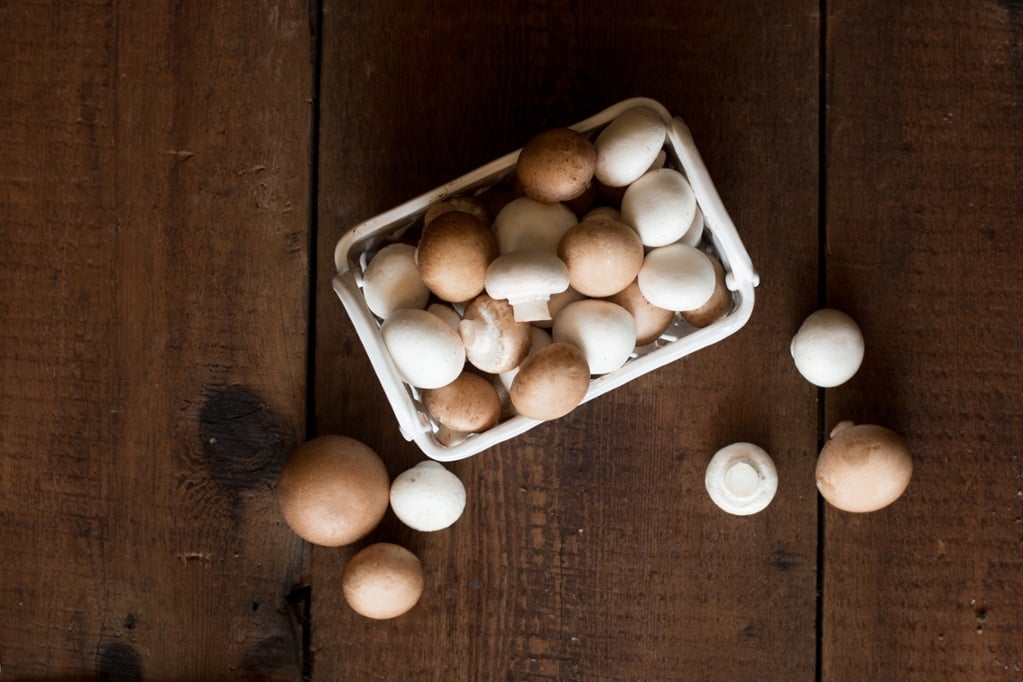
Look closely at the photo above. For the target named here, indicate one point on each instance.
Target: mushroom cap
(677, 277)
(719, 304)
(527, 279)
(660, 206)
(525, 224)
(333, 490)
(603, 256)
(463, 203)
(551, 382)
(863, 468)
(741, 479)
(828, 348)
(425, 350)
(556, 165)
(383, 581)
(427, 497)
(628, 146)
(391, 281)
(605, 332)
(650, 320)
(493, 339)
(453, 254)
(469, 403)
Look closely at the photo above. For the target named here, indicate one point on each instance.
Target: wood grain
(153, 199)
(923, 206)
(589, 549)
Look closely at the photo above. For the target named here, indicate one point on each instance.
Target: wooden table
(174, 177)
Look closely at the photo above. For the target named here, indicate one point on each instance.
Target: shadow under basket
(720, 238)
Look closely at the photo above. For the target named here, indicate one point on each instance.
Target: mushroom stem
(531, 309)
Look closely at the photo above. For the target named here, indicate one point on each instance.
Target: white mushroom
(717, 306)
(392, 281)
(446, 313)
(604, 331)
(427, 497)
(828, 348)
(660, 206)
(741, 479)
(628, 146)
(425, 350)
(527, 279)
(677, 277)
(526, 224)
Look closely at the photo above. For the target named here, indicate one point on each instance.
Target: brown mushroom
(383, 581)
(454, 252)
(556, 165)
(333, 490)
(603, 256)
(651, 321)
(494, 341)
(469, 404)
(863, 468)
(466, 204)
(551, 382)
(719, 305)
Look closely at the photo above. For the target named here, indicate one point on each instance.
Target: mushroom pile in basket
(510, 301)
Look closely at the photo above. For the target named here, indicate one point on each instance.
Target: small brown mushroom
(651, 321)
(551, 382)
(602, 256)
(383, 581)
(556, 165)
(863, 468)
(469, 404)
(453, 255)
(494, 341)
(719, 305)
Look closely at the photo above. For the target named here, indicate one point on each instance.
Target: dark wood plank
(589, 549)
(153, 199)
(923, 206)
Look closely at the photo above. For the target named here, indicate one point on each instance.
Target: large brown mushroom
(863, 468)
(551, 382)
(453, 255)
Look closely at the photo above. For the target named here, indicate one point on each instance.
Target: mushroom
(383, 581)
(604, 212)
(446, 313)
(526, 224)
(453, 254)
(741, 479)
(603, 256)
(604, 331)
(677, 277)
(719, 304)
(527, 279)
(538, 339)
(660, 206)
(333, 490)
(555, 304)
(551, 382)
(466, 204)
(863, 468)
(651, 321)
(425, 350)
(468, 404)
(392, 281)
(493, 339)
(556, 165)
(628, 146)
(828, 348)
(427, 497)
